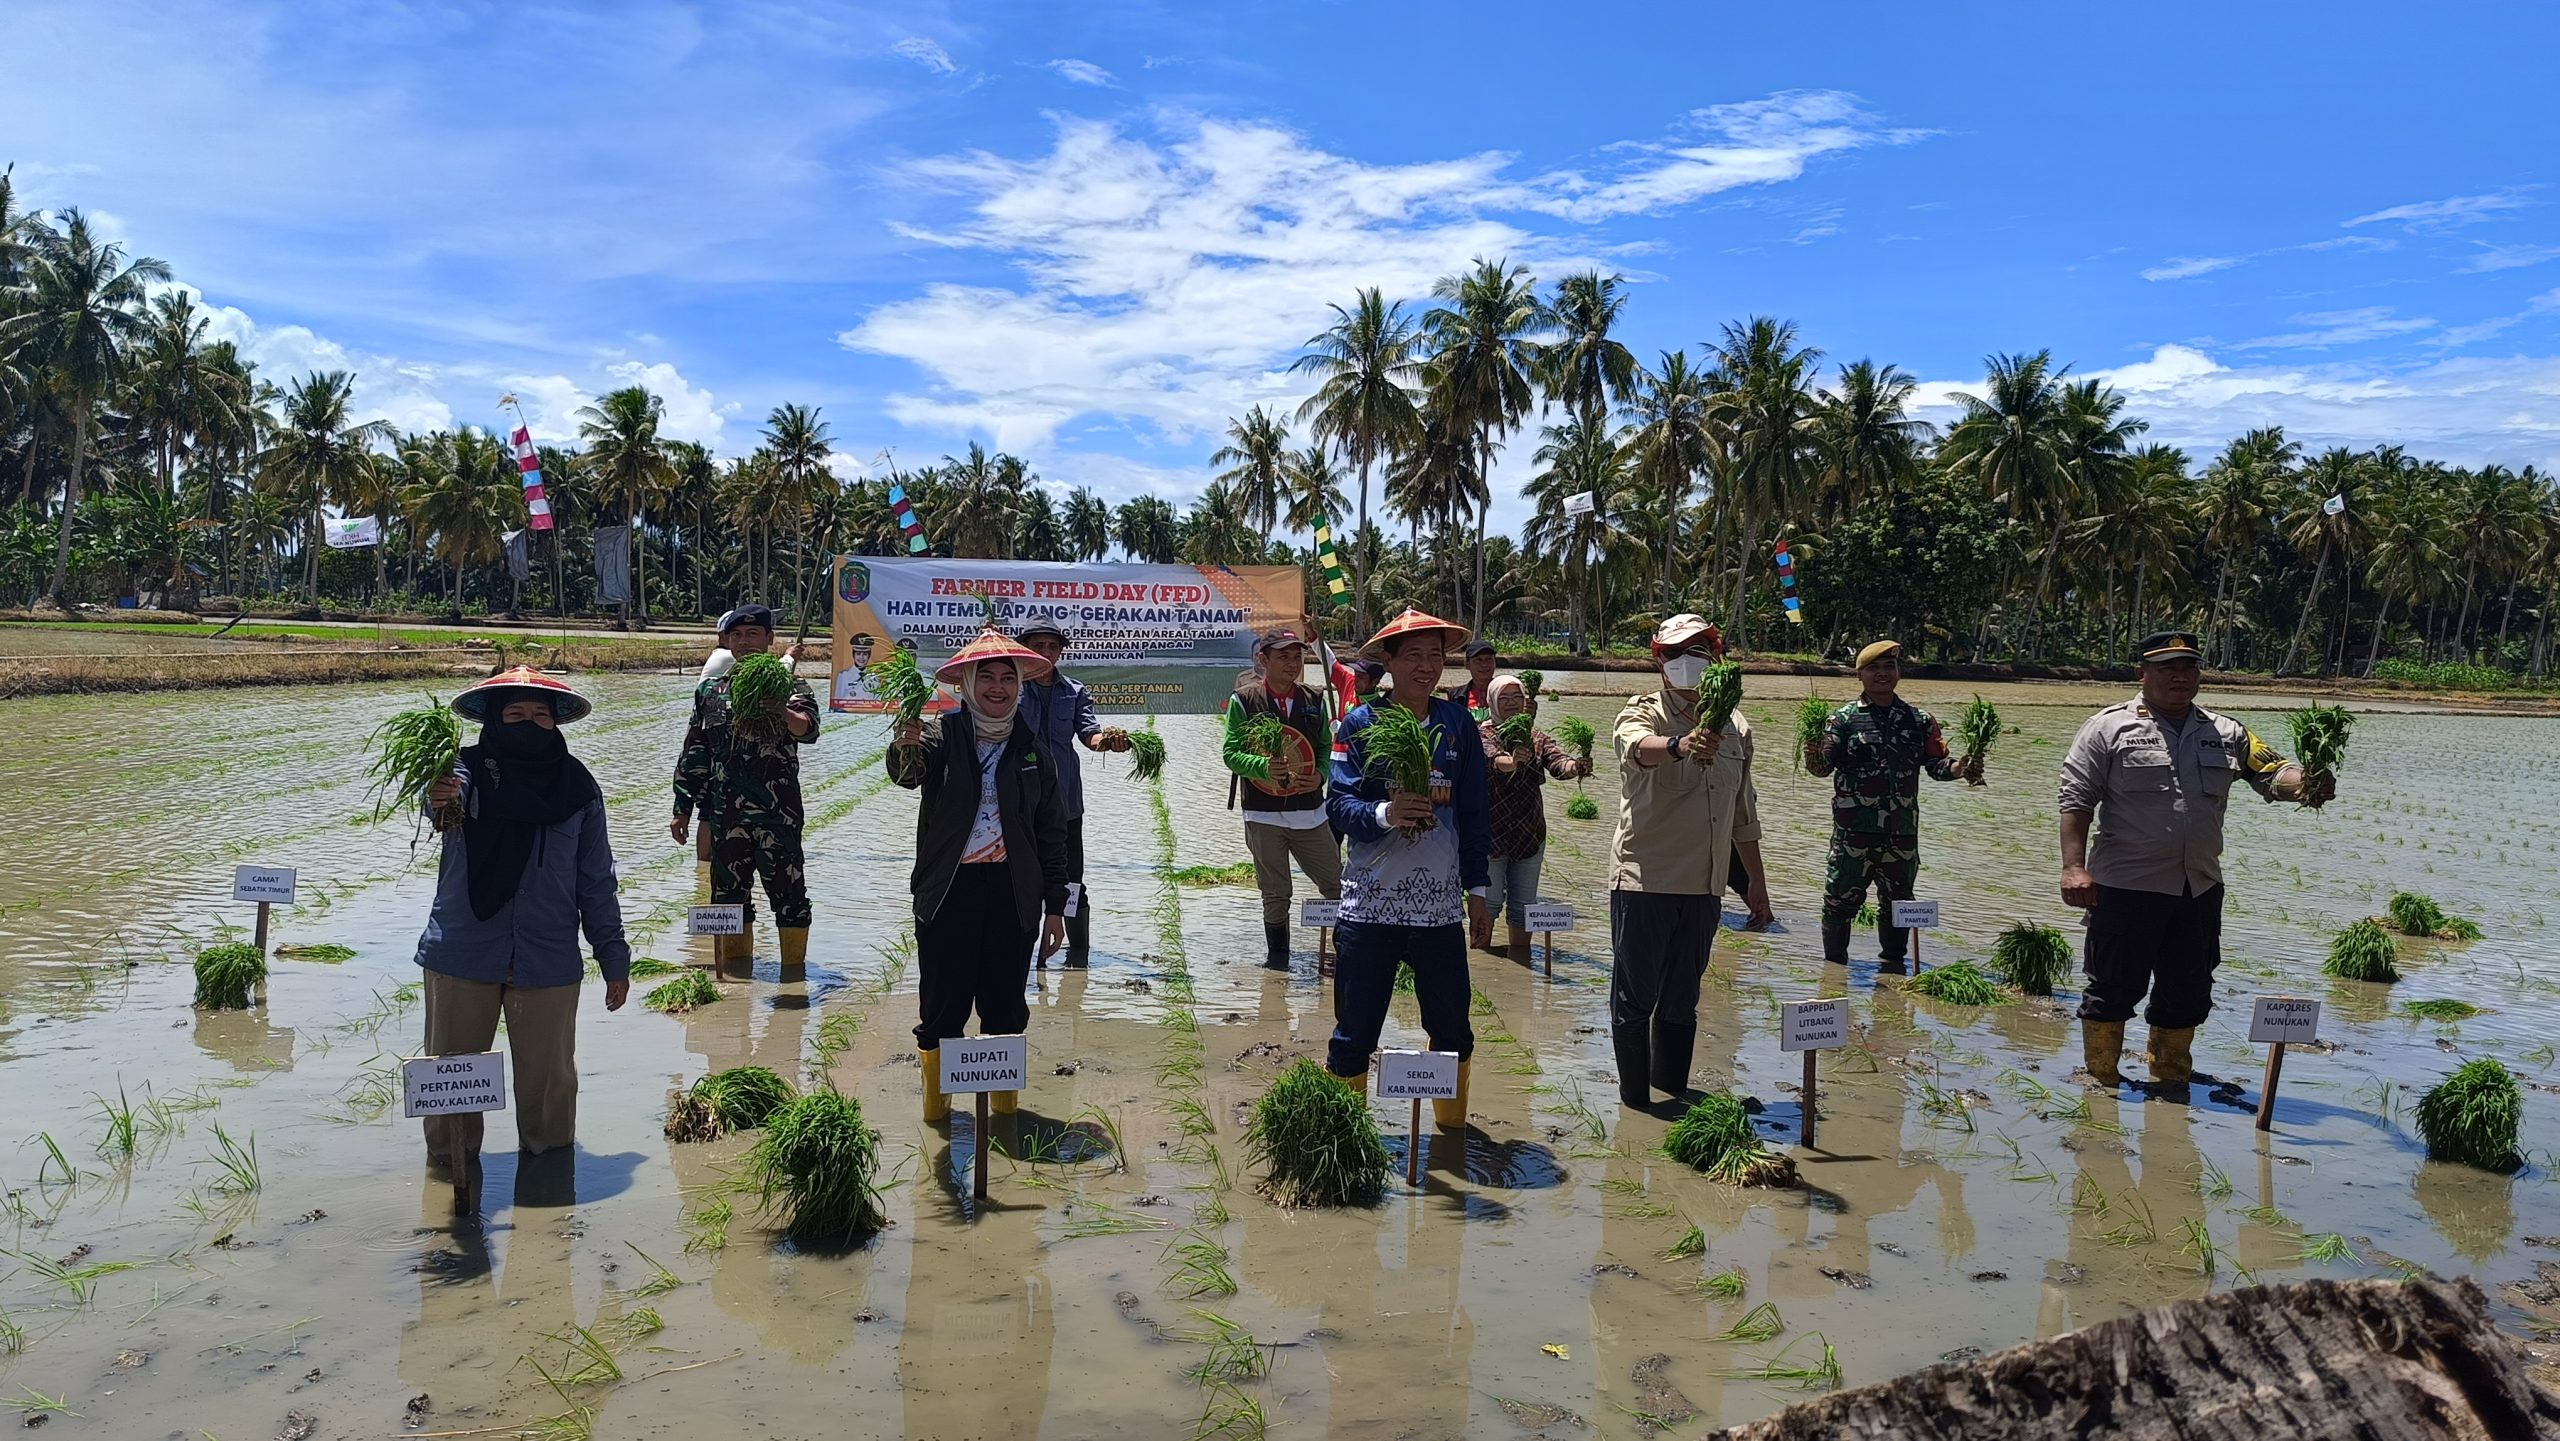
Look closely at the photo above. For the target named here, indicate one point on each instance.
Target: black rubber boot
(1080, 939)
(1635, 1066)
(1835, 941)
(1893, 944)
(1275, 948)
(1674, 1043)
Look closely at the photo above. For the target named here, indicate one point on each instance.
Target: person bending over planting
(740, 768)
(991, 855)
(525, 867)
(1409, 795)
(1519, 757)
(2152, 778)
(1060, 714)
(1685, 806)
(1874, 749)
(1276, 738)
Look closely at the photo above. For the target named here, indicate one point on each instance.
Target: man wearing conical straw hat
(1416, 870)
(745, 779)
(991, 854)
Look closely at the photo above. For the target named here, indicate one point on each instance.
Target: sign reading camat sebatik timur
(1147, 639)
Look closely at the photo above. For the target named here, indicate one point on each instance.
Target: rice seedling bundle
(2440, 1008)
(1516, 733)
(2473, 1117)
(812, 1169)
(686, 991)
(895, 677)
(647, 966)
(1146, 754)
(2364, 951)
(758, 688)
(412, 751)
(2320, 739)
(1400, 748)
(1715, 1137)
(1958, 983)
(1316, 1142)
(1719, 691)
(1578, 737)
(2032, 957)
(738, 1099)
(1533, 682)
(2412, 914)
(1978, 728)
(1581, 807)
(1264, 735)
(228, 975)
(1813, 724)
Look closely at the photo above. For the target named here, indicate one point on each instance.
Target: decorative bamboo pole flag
(908, 525)
(1787, 586)
(529, 462)
(1329, 560)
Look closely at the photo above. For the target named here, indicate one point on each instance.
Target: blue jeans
(1364, 982)
(1514, 883)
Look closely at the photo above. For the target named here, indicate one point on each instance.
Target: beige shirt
(2159, 795)
(1678, 821)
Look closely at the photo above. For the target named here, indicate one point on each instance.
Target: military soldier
(746, 783)
(1874, 749)
(2152, 777)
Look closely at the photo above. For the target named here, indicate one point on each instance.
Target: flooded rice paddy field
(1964, 1198)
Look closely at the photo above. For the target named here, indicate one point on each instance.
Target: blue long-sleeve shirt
(1061, 714)
(1390, 878)
(533, 939)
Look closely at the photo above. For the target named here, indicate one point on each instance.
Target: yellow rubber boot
(1357, 1085)
(937, 1106)
(2171, 1056)
(1450, 1114)
(795, 953)
(1003, 1103)
(2101, 1042)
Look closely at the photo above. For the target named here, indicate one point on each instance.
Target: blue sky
(1091, 233)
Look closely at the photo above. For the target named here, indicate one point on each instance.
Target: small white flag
(2334, 505)
(353, 533)
(1580, 504)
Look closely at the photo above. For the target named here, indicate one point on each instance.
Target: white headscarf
(1493, 694)
(990, 728)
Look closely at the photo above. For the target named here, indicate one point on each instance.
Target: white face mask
(1683, 672)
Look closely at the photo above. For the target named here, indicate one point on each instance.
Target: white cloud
(1084, 72)
(927, 54)
(2187, 267)
(2443, 214)
(2461, 335)
(2341, 327)
(2509, 257)
(1719, 148)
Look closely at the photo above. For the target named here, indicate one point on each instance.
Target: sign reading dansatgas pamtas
(1163, 639)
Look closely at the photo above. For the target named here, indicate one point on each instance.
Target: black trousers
(1364, 983)
(973, 953)
(2167, 945)
(1079, 900)
(1659, 946)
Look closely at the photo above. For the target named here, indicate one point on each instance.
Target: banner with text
(1162, 639)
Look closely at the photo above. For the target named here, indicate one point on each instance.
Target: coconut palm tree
(1870, 444)
(1585, 369)
(1574, 461)
(320, 456)
(1256, 456)
(979, 495)
(1484, 358)
(1772, 420)
(1088, 525)
(77, 316)
(627, 464)
(1315, 489)
(1218, 531)
(1673, 444)
(2409, 546)
(2148, 527)
(1365, 364)
(181, 389)
(1036, 532)
(1148, 530)
(2335, 477)
(2238, 501)
(2496, 514)
(466, 494)
(2011, 439)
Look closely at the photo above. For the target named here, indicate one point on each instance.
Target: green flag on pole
(1331, 561)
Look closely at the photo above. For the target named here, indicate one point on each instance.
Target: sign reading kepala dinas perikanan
(1166, 639)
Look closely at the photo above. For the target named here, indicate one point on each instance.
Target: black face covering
(523, 781)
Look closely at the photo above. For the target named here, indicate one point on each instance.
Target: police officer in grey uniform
(2151, 778)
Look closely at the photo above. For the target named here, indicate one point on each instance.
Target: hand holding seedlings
(1702, 745)
(1409, 812)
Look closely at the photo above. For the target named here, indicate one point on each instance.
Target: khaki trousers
(542, 1054)
(1274, 847)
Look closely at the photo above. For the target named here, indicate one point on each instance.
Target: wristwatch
(1675, 748)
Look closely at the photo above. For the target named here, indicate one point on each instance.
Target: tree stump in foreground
(2382, 1360)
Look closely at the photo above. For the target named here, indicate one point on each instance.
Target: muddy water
(1953, 1205)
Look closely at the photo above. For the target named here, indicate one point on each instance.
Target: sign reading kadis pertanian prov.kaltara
(2290, 1019)
(453, 1085)
(1417, 1075)
(1157, 639)
(983, 1063)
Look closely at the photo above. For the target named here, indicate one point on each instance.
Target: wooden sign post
(1915, 916)
(456, 1085)
(1318, 915)
(1546, 918)
(2281, 1020)
(977, 1065)
(1417, 1076)
(266, 885)
(1812, 1027)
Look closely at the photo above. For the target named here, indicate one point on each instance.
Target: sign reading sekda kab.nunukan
(1161, 639)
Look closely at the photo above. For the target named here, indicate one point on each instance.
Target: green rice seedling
(682, 994)
(1813, 724)
(1399, 747)
(1229, 1413)
(1193, 1118)
(1238, 874)
(1977, 729)
(1948, 1107)
(13, 1337)
(1200, 1268)
(1316, 1141)
(896, 677)
(2412, 914)
(1692, 1242)
(235, 1164)
(1146, 752)
(588, 1362)
(2472, 1117)
(119, 1116)
(36, 1405)
(56, 1168)
(708, 1228)
(1264, 735)
(1577, 736)
(2327, 1246)
(759, 687)
(1233, 1353)
(1093, 1218)
(647, 966)
(2440, 1008)
(1715, 1124)
(1517, 733)
(1958, 983)
(1622, 1186)
(412, 751)
(1533, 682)
(1760, 1323)
(636, 1323)
(1822, 1372)
(1586, 1120)
(2032, 957)
(1719, 691)
(228, 976)
(81, 1282)
(2364, 951)
(1726, 1285)
(2213, 1183)
(1642, 1211)
(2199, 1244)
(324, 951)
(661, 1280)
(2320, 739)
(1867, 915)
(738, 1099)
(813, 1169)
(1581, 807)
(2138, 1228)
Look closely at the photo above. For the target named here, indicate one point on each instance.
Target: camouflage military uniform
(747, 786)
(1874, 757)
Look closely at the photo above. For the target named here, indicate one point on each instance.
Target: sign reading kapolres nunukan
(1161, 639)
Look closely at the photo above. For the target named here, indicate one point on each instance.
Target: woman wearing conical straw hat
(525, 868)
(991, 854)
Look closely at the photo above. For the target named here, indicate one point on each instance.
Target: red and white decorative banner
(528, 461)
